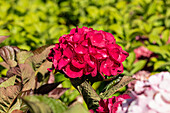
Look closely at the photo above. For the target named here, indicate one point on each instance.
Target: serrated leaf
(77, 108)
(43, 68)
(124, 81)
(39, 57)
(7, 97)
(28, 77)
(22, 56)
(2, 38)
(17, 106)
(43, 104)
(90, 96)
(9, 82)
(13, 71)
(138, 66)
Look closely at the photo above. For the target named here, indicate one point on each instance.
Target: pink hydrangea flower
(151, 96)
(139, 76)
(111, 105)
(142, 52)
(86, 52)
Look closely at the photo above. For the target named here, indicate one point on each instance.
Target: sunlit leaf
(43, 104)
(124, 81)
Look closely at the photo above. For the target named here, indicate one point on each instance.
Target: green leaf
(124, 81)
(162, 50)
(77, 108)
(160, 64)
(131, 59)
(8, 82)
(90, 96)
(165, 35)
(7, 97)
(138, 66)
(44, 104)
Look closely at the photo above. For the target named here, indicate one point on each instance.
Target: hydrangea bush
(149, 96)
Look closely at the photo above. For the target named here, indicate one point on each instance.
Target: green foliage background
(34, 23)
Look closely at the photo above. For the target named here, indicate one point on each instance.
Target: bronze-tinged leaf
(42, 49)
(8, 53)
(45, 89)
(13, 71)
(2, 38)
(57, 92)
(39, 57)
(2, 79)
(7, 97)
(22, 56)
(28, 77)
(43, 68)
(123, 82)
(9, 82)
(5, 65)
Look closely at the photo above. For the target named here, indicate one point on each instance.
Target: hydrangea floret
(149, 96)
(85, 51)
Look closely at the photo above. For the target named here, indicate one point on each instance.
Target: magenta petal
(73, 72)
(55, 63)
(123, 56)
(68, 53)
(81, 50)
(57, 55)
(110, 38)
(76, 37)
(62, 63)
(77, 64)
(73, 31)
(97, 40)
(89, 60)
(103, 53)
(105, 67)
(114, 53)
(85, 43)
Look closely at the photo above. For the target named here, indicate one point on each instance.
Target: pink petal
(77, 64)
(81, 50)
(97, 40)
(73, 72)
(68, 53)
(62, 63)
(110, 38)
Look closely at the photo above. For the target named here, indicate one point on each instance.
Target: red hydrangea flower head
(111, 105)
(87, 52)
